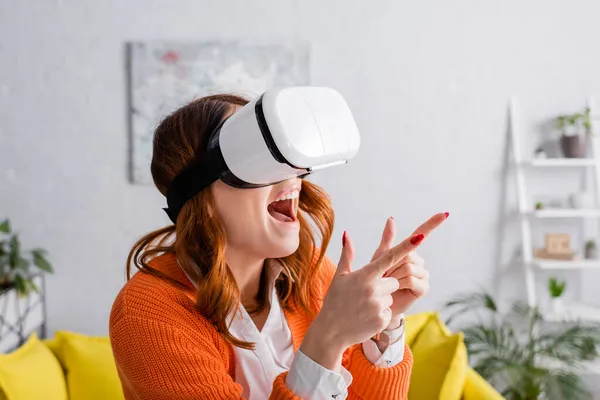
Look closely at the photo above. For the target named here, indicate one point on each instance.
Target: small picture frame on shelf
(558, 244)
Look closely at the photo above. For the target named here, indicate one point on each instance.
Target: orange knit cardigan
(165, 349)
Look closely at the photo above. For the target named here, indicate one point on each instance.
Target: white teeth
(290, 196)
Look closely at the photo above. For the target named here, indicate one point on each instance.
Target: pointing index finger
(431, 224)
(396, 253)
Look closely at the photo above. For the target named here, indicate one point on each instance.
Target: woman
(237, 300)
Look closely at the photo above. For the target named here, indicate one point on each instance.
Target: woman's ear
(209, 205)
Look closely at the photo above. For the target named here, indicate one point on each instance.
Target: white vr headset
(282, 134)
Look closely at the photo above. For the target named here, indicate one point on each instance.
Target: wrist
(393, 333)
(395, 323)
(322, 345)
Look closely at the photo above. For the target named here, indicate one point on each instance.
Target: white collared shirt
(255, 370)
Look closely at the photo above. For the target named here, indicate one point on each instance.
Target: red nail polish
(344, 239)
(417, 239)
(447, 214)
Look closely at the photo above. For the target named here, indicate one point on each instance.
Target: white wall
(428, 82)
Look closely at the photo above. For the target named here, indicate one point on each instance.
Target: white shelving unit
(566, 213)
(558, 264)
(527, 214)
(561, 162)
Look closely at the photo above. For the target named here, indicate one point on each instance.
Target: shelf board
(560, 264)
(561, 162)
(566, 213)
(572, 313)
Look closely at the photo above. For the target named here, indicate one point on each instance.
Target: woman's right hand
(357, 304)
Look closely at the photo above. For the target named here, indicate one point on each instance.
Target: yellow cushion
(52, 344)
(477, 388)
(31, 363)
(440, 363)
(90, 367)
(414, 325)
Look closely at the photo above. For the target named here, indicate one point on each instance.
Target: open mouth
(285, 208)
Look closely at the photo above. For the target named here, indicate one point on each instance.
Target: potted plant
(539, 205)
(556, 288)
(571, 141)
(591, 250)
(523, 361)
(18, 267)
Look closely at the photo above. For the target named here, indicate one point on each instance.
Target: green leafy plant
(590, 245)
(16, 265)
(556, 287)
(574, 120)
(521, 355)
(563, 121)
(539, 205)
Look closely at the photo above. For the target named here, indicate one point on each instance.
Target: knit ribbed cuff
(280, 389)
(371, 382)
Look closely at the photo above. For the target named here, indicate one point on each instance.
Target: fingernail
(392, 217)
(447, 214)
(417, 239)
(344, 239)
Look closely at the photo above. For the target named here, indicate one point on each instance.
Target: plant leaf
(556, 287)
(470, 302)
(564, 385)
(40, 261)
(528, 360)
(14, 250)
(5, 226)
(3, 258)
(32, 286)
(21, 285)
(22, 264)
(571, 345)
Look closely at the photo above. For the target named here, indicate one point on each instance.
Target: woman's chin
(284, 237)
(284, 246)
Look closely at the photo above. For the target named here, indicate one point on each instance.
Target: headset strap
(198, 176)
(193, 179)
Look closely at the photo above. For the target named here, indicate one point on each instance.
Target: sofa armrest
(477, 388)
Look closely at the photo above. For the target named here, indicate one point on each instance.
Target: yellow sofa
(73, 366)
(441, 370)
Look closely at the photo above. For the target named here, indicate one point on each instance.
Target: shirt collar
(274, 267)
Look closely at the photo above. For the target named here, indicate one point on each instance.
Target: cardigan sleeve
(158, 361)
(371, 382)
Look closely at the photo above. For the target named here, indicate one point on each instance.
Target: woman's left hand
(410, 272)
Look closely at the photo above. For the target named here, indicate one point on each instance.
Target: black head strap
(199, 175)
(193, 179)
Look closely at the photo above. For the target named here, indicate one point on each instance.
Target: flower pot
(572, 146)
(591, 253)
(557, 305)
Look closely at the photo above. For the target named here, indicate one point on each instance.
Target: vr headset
(282, 134)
